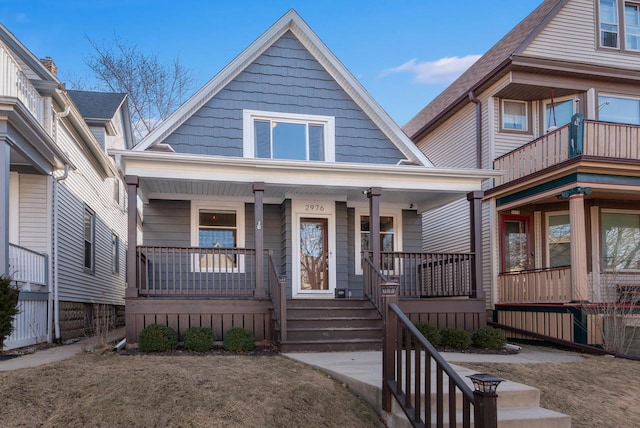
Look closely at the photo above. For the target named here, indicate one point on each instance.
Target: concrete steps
(332, 325)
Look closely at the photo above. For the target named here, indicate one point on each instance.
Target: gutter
(54, 253)
(473, 99)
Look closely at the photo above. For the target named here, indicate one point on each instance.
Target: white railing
(14, 83)
(29, 325)
(27, 267)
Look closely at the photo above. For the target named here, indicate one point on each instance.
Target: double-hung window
(216, 227)
(558, 112)
(115, 253)
(89, 240)
(616, 30)
(515, 115)
(288, 136)
(558, 239)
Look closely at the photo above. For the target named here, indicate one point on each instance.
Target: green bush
(455, 338)
(239, 340)
(488, 337)
(158, 338)
(8, 307)
(199, 339)
(430, 332)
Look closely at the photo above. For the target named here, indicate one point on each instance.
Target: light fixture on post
(389, 288)
(485, 407)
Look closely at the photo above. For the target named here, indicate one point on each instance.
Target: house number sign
(314, 208)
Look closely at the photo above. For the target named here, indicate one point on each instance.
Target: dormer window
(286, 136)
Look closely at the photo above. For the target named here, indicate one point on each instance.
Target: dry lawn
(597, 392)
(186, 391)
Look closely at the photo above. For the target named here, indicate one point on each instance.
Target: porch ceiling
(183, 176)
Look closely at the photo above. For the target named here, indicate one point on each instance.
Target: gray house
(282, 191)
(63, 214)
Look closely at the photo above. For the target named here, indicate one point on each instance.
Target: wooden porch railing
(430, 274)
(541, 153)
(193, 271)
(28, 267)
(409, 364)
(16, 84)
(611, 140)
(535, 286)
(372, 280)
(278, 293)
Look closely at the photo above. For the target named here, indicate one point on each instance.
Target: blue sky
(403, 52)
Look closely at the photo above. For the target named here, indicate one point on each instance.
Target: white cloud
(443, 70)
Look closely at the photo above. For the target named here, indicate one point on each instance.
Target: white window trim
(546, 229)
(397, 236)
(613, 211)
(546, 102)
(526, 116)
(249, 116)
(624, 20)
(239, 209)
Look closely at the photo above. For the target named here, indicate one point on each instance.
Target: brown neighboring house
(556, 105)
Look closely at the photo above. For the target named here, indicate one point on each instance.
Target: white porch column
(579, 286)
(4, 208)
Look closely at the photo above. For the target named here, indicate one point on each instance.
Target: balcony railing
(197, 272)
(600, 139)
(27, 268)
(535, 286)
(14, 83)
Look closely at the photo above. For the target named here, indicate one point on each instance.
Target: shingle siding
(286, 78)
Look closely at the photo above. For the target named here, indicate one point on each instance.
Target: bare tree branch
(155, 89)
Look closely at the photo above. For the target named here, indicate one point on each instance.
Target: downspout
(54, 253)
(473, 99)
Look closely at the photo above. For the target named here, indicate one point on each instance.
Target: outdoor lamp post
(389, 288)
(485, 408)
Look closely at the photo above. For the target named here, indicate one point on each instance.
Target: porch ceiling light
(485, 383)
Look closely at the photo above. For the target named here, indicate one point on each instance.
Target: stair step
(346, 333)
(334, 323)
(329, 303)
(334, 345)
(331, 312)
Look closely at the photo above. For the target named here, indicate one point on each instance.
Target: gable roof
(487, 66)
(97, 105)
(291, 21)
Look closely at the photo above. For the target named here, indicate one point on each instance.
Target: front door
(313, 249)
(314, 254)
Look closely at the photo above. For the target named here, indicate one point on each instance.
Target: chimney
(49, 65)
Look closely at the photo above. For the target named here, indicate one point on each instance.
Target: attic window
(609, 23)
(269, 135)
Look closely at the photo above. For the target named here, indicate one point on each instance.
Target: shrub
(199, 339)
(488, 337)
(8, 307)
(455, 338)
(239, 340)
(430, 332)
(158, 338)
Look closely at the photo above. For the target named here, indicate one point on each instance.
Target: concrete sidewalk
(56, 353)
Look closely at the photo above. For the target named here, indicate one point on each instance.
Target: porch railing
(600, 139)
(278, 293)
(372, 280)
(194, 271)
(15, 83)
(430, 274)
(535, 286)
(410, 364)
(28, 267)
(541, 153)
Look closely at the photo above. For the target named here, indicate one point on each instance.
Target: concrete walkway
(56, 353)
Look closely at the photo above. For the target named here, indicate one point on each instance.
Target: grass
(596, 392)
(189, 391)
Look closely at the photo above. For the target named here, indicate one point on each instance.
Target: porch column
(258, 206)
(132, 182)
(374, 194)
(4, 208)
(579, 286)
(475, 242)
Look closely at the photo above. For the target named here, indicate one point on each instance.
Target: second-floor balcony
(602, 140)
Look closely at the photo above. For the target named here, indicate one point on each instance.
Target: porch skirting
(220, 315)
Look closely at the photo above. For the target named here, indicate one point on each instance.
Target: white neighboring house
(63, 214)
